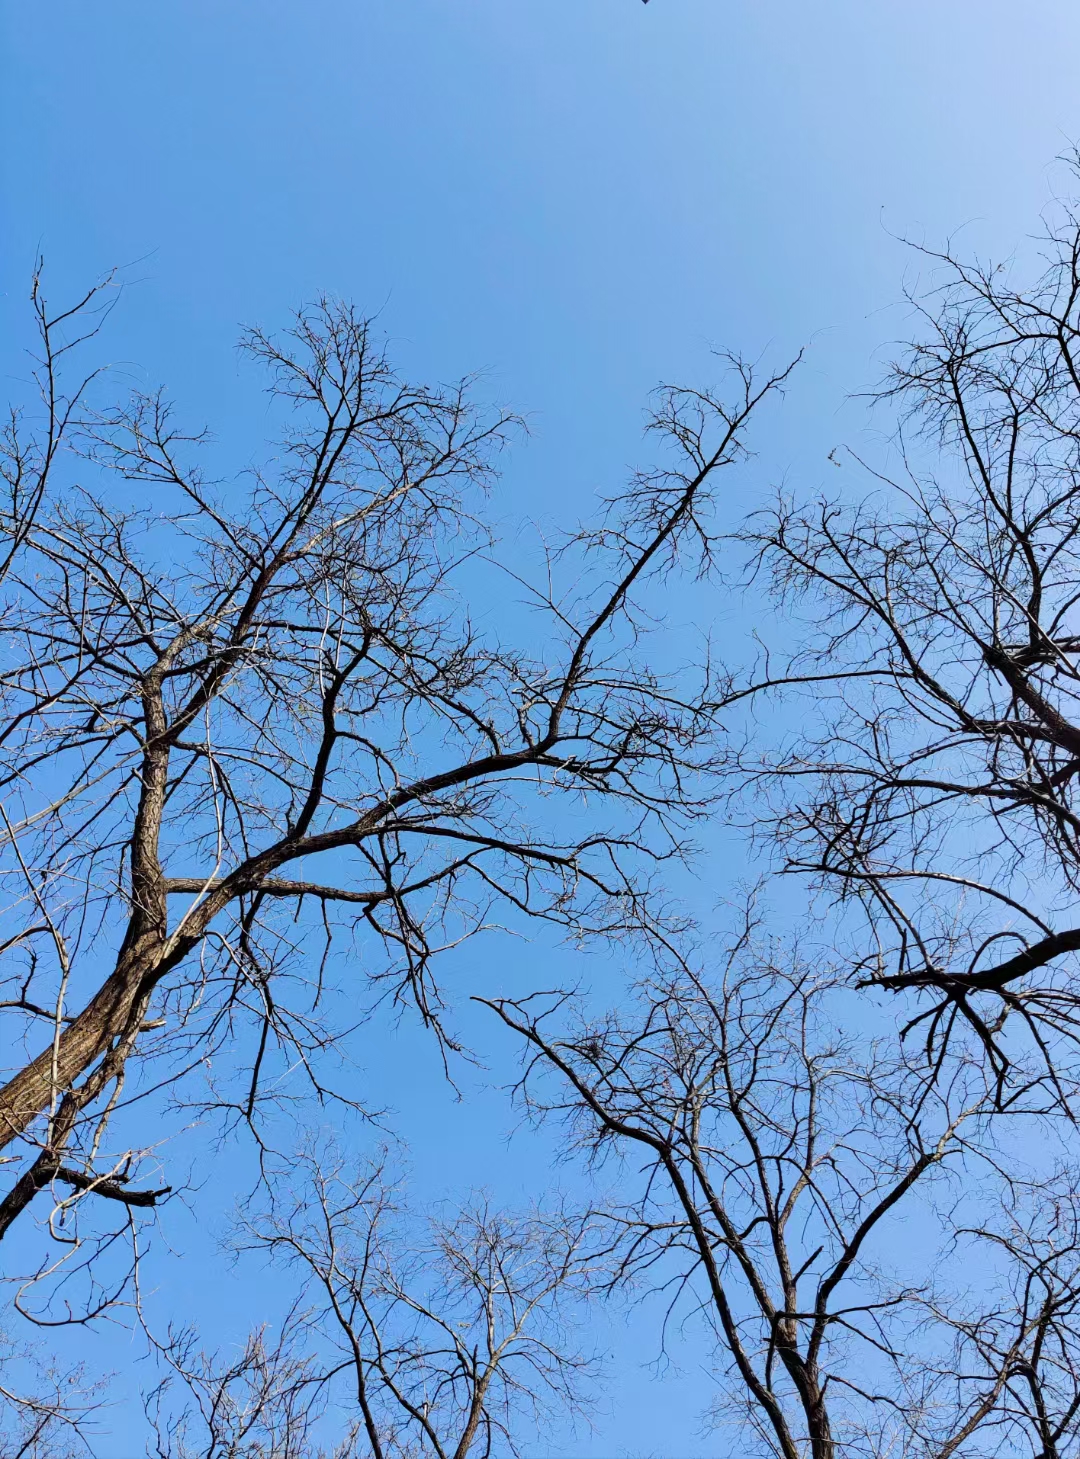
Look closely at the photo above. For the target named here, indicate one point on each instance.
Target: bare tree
(239, 719)
(930, 775)
(1010, 1381)
(442, 1338)
(259, 1402)
(778, 1160)
(46, 1411)
(29, 458)
(871, 1275)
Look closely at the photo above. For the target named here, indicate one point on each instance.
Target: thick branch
(113, 1190)
(989, 979)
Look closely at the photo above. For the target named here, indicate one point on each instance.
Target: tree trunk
(90, 1034)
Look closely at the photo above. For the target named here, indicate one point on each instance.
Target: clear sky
(578, 197)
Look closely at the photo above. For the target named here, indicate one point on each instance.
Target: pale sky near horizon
(578, 198)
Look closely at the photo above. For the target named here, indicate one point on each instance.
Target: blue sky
(578, 197)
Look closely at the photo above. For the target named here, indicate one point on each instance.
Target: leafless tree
(258, 1402)
(930, 775)
(46, 1412)
(1010, 1381)
(873, 1277)
(29, 457)
(780, 1161)
(442, 1338)
(240, 719)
